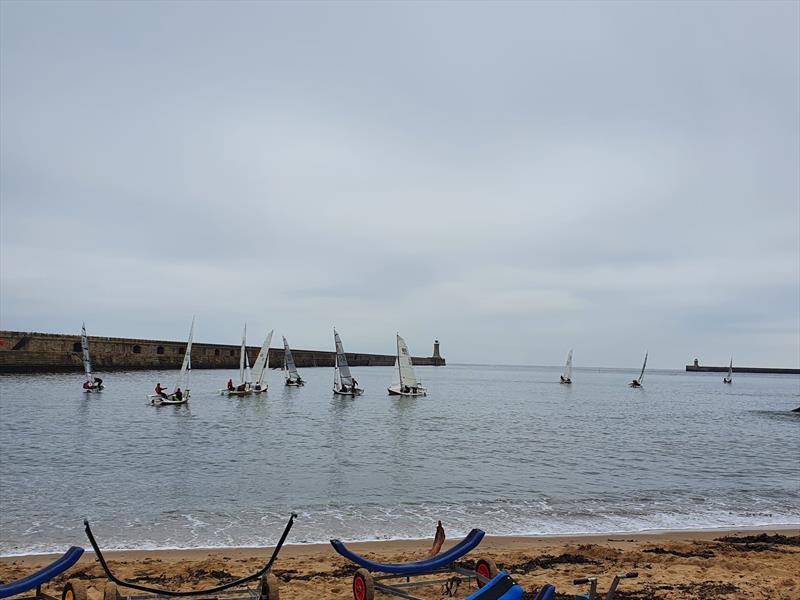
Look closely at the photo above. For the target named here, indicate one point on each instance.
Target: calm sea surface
(506, 449)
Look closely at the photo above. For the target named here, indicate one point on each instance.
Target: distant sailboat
(245, 387)
(343, 382)
(406, 383)
(92, 383)
(261, 366)
(729, 378)
(289, 368)
(180, 394)
(637, 383)
(567, 376)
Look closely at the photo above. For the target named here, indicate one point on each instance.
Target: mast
(242, 355)
(399, 368)
(568, 367)
(186, 366)
(87, 363)
(641, 375)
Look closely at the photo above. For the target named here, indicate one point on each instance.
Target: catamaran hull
(393, 391)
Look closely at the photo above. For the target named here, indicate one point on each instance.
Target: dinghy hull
(396, 391)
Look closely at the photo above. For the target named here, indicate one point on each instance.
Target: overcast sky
(516, 179)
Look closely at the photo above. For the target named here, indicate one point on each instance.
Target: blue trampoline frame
(42, 576)
(437, 565)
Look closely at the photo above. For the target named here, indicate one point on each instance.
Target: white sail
(262, 361)
(288, 362)
(568, 367)
(337, 376)
(186, 366)
(87, 363)
(641, 375)
(405, 370)
(730, 371)
(341, 366)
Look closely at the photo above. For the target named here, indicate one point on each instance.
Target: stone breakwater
(32, 352)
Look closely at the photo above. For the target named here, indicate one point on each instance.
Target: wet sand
(704, 565)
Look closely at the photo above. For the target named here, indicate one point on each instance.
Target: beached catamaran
(180, 393)
(729, 376)
(261, 366)
(566, 377)
(92, 383)
(289, 368)
(343, 382)
(405, 382)
(245, 387)
(637, 383)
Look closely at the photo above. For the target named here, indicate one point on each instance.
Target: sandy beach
(708, 564)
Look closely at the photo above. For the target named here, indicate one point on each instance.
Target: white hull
(568, 381)
(235, 392)
(396, 391)
(295, 383)
(157, 400)
(261, 391)
(357, 392)
(726, 380)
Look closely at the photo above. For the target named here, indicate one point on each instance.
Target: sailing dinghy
(245, 387)
(567, 375)
(261, 366)
(92, 383)
(180, 394)
(406, 383)
(637, 383)
(343, 382)
(289, 368)
(729, 377)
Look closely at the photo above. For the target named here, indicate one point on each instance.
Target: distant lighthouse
(436, 359)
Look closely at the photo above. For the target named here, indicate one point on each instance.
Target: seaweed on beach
(700, 554)
(287, 575)
(761, 539)
(547, 561)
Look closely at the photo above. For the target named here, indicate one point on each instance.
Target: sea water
(505, 449)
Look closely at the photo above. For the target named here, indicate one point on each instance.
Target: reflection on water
(508, 449)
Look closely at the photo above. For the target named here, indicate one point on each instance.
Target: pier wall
(32, 352)
(705, 369)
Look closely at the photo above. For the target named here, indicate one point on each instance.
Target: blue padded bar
(54, 569)
(500, 587)
(421, 566)
(548, 592)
